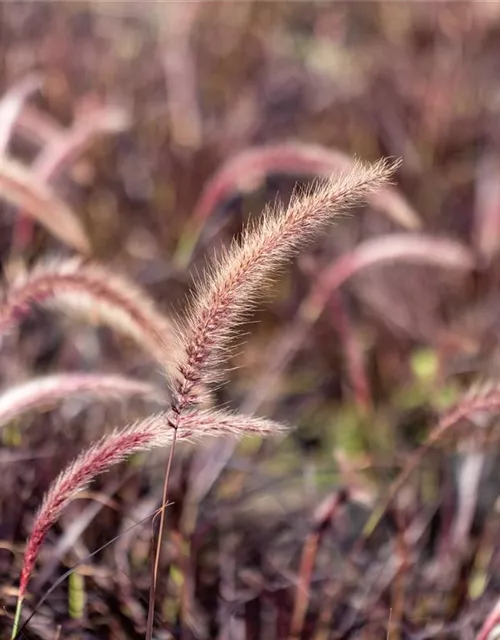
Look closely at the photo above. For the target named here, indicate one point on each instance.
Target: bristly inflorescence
(231, 285)
(154, 431)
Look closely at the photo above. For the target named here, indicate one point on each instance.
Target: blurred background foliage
(386, 353)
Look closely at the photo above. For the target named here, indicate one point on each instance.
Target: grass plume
(230, 287)
(154, 431)
(11, 105)
(246, 171)
(21, 187)
(53, 389)
(481, 398)
(92, 292)
(252, 165)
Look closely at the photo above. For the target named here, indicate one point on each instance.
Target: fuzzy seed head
(231, 284)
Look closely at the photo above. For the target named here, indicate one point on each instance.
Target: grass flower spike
(230, 287)
(154, 431)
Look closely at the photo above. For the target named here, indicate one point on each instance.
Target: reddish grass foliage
(224, 296)
(136, 137)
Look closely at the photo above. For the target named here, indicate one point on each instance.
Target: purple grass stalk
(49, 390)
(23, 189)
(62, 149)
(57, 155)
(11, 105)
(252, 165)
(481, 398)
(230, 287)
(491, 624)
(93, 292)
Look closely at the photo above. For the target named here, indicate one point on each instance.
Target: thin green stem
(17, 618)
(157, 553)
